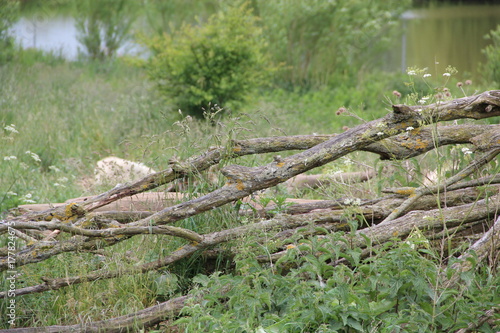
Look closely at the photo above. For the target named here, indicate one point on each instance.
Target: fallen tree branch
(112, 231)
(432, 219)
(488, 244)
(132, 322)
(338, 219)
(415, 194)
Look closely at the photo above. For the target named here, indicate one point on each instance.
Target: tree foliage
(104, 26)
(491, 68)
(328, 42)
(9, 13)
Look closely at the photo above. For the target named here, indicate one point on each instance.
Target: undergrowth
(399, 288)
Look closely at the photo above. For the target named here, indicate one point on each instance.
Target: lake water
(57, 34)
(451, 35)
(433, 38)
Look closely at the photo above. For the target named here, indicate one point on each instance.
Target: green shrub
(9, 11)
(491, 68)
(217, 62)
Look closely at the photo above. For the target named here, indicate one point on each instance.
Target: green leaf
(201, 279)
(377, 308)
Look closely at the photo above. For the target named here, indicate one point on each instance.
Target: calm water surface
(452, 35)
(56, 34)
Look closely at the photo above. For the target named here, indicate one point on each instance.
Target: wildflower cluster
(34, 156)
(352, 202)
(440, 93)
(11, 128)
(466, 151)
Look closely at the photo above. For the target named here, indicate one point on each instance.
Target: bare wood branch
(436, 218)
(335, 220)
(132, 322)
(109, 232)
(415, 194)
(488, 244)
(487, 316)
(242, 181)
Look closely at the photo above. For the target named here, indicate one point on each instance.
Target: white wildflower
(427, 75)
(423, 100)
(353, 202)
(412, 72)
(380, 133)
(24, 166)
(62, 179)
(59, 185)
(11, 128)
(54, 168)
(348, 161)
(11, 194)
(33, 156)
(27, 198)
(466, 151)
(9, 158)
(411, 244)
(446, 74)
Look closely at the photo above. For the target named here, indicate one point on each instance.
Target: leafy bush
(491, 68)
(9, 10)
(217, 62)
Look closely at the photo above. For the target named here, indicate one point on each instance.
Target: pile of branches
(460, 205)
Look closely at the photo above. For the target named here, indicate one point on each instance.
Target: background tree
(9, 13)
(328, 42)
(103, 26)
(491, 68)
